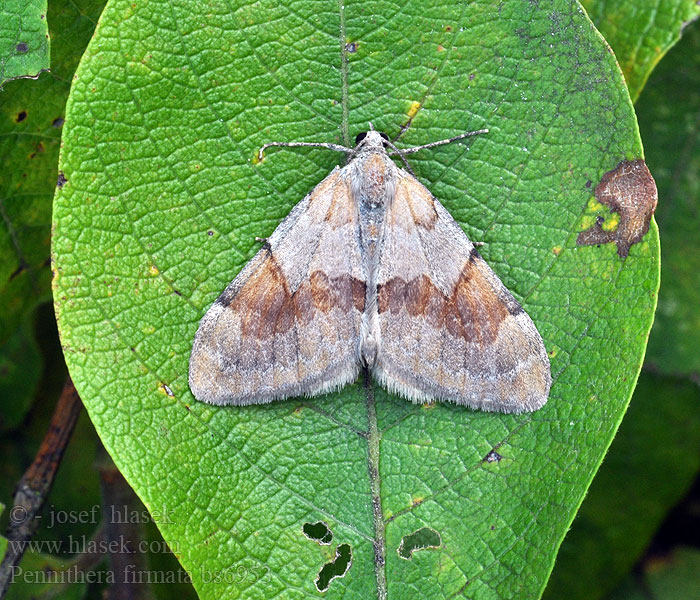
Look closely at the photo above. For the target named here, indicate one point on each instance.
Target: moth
(370, 271)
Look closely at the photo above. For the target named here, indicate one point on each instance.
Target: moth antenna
(401, 156)
(327, 146)
(443, 142)
(403, 129)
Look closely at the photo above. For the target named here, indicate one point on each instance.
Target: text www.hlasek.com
(86, 545)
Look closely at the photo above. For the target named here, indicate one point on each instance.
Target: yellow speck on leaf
(594, 205)
(413, 109)
(587, 221)
(612, 222)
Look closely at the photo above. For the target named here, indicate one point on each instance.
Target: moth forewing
(287, 325)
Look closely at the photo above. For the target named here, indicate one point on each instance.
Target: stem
(373, 439)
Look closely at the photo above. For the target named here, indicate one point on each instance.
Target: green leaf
(637, 486)
(24, 39)
(655, 454)
(651, 465)
(676, 577)
(20, 368)
(32, 114)
(641, 32)
(160, 210)
(669, 112)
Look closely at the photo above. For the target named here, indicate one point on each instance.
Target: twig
(34, 486)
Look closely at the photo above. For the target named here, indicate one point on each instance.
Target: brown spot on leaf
(39, 148)
(22, 48)
(629, 190)
(61, 179)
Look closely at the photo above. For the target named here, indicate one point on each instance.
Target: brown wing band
(474, 311)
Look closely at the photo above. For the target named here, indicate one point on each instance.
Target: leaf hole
(165, 389)
(492, 456)
(337, 568)
(422, 539)
(318, 532)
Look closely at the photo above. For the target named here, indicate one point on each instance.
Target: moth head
(371, 140)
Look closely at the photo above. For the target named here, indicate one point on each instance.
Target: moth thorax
(374, 181)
